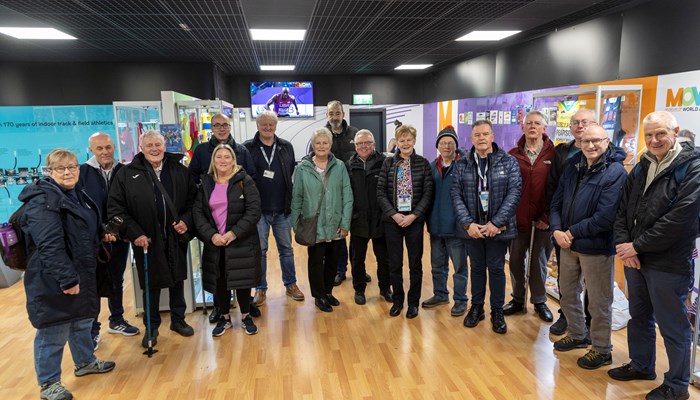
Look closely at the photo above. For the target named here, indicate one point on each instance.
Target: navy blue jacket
(505, 185)
(586, 201)
(441, 220)
(199, 164)
(65, 255)
(285, 152)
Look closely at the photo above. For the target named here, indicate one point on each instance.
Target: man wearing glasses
(580, 121)
(582, 217)
(199, 164)
(534, 152)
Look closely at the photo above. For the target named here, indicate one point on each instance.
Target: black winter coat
(662, 222)
(65, 255)
(243, 255)
(285, 152)
(132, 197)
(343, 146)
(202, 157)
(422, 180)
(364, 178)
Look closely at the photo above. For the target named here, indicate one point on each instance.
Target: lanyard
(483, 182)
(272, 157)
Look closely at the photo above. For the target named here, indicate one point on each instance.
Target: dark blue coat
(65, 255)
(504, 191)
(285, 152)
(199, 164)
(586, 201)
(441, 220)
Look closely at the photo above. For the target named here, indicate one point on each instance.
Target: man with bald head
(95, 176)
(655, 231)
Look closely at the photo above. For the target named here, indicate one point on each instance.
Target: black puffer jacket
(422, 180)
(132, 197)
(343, 146)
(243, 255)
(65, 255)
(364, 178)
(662, 222)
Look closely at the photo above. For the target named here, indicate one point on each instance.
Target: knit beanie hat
(449, 130)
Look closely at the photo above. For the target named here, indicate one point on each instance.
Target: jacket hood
(309, 158)
(140, 161)
(213, 141)
(42, 187)
(95, 164)
(237, 176)
(612, 155)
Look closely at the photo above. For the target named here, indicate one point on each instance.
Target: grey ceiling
(343, 37)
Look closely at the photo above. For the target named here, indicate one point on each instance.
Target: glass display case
(194, 118)
(132, 118)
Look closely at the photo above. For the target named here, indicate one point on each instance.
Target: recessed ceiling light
(35, 33)
(414, 66)
(184, 27)
(486, 35)
(277, 68)
(277, 34)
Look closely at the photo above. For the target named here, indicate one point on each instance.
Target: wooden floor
(355, 352)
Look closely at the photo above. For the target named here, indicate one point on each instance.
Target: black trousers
(323, 263)
(177, 304)
(223, 293)
(395, 236)
(358, 256)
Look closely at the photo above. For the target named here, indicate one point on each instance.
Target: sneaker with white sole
(96, 342)
(55, 391)
(249, 326)
(221, 326)
(123, 327)
(96, 367)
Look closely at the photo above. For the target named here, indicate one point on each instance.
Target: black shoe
(458, 309)
(412, 312)
(144, 341)
(514, 307)
(543, 312)
(323, 305)
(338, 279)
(594, 360)
(360, 298)
(395, 310)
(569, 343)
(434, 302)
(665, 392)
(498, 322)
(221, 326)
(368, 278)
(475, 314)
(254, 310)
(559, 327)
(182, 328)
(332, 300)
(387, 295)
(627, 373)
(215, 315)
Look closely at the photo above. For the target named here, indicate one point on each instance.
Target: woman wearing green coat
(316, 170)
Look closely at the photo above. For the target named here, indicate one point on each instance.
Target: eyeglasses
(595, 142)
(219, 126)
(62, 170)
(359, 144)
(583, 122)
(447, 144)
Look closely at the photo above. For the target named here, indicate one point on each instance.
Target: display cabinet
(131, 119)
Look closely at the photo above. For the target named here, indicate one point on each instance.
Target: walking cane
(528, 264)
(150, 350)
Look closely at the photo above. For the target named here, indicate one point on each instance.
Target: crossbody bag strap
(320, 201)
(164, 193)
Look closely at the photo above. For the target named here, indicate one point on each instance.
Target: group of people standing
(478, 204)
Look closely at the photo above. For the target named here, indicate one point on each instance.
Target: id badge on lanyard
(404, 203)
(483, 185)
(269, 173)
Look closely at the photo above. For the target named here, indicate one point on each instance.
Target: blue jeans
(282, 232)
(488, 254)
(343, 257)
(657, 296)
(442, 247)
(117, 267)
(48, 348)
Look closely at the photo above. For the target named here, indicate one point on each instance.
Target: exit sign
(362, 99)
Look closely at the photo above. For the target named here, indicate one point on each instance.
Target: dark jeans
(395, 236)
(177, 304)
(323, 262)
(115, 302)
(488, 254)
(223, 294)
(359, 254)
(343, 257)
(657, 296)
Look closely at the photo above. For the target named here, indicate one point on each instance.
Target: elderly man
(655, 232)
(580, 121)
(366, 224)
(534, 152)
(582, 217)
(96, 175)
(447, 239)
(274, 164)
(154, 195)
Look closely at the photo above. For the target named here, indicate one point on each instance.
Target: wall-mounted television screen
(288, 99)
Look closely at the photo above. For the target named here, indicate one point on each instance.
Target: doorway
(374, 120)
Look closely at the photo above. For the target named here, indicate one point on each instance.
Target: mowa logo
(688, 96)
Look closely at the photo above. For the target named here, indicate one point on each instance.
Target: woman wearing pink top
(225, 214)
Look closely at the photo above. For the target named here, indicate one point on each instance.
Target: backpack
(13, 246)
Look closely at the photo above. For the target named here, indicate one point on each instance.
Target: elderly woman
(322, 187)
(62, 223)
(226, 214)
(154, 196)
(405, 193)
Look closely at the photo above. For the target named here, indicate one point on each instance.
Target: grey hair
(364, 132)
(335, 103)
(664, 117)
(267, 115)
(151, 135)
(322, 131)
(590, 111)
(538, 113)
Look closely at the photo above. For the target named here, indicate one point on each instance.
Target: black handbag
(305, 232)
